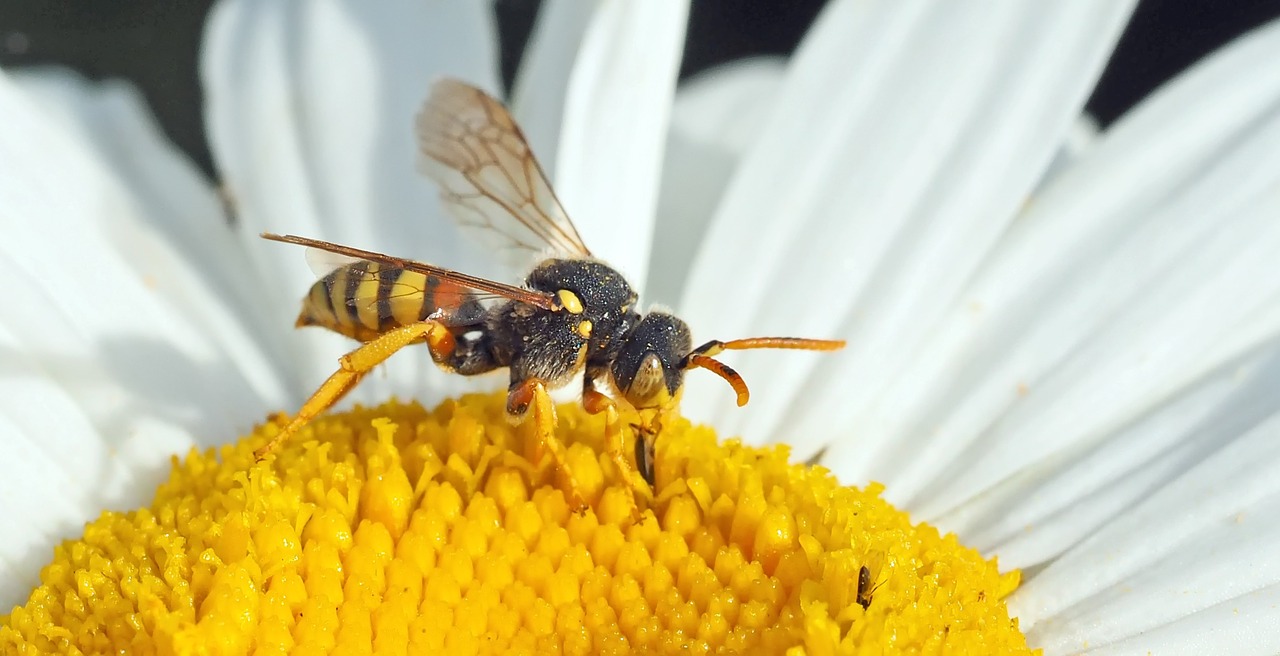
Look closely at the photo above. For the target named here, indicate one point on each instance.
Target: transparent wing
(322, 262)
(489, 180)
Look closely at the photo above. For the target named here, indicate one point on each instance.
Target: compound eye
(648, 388)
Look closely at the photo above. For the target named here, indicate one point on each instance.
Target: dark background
(155, 42)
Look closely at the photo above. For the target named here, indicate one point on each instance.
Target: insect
(863, 595)
(573, 313)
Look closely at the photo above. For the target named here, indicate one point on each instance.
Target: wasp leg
(531, 393)
(646, 460)
(596, 403)
(354, 365)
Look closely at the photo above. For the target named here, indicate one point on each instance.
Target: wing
(442, 275)
(489, 180)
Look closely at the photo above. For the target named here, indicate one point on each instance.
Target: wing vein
(464, 135)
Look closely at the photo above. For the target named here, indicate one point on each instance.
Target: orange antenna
(715, 346)
(722, 370)
(701, 356)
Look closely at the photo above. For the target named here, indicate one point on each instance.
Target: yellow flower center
(396, 530)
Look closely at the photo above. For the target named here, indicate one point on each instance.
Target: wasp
(573, 314)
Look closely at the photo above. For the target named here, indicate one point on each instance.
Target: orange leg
(354, 365)
(596, 403)
(532, 393)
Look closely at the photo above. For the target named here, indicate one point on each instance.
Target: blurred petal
(615, 126)
(716, 117)
(542, 84)
(310, 110)
(105, 373)
(1084, 134)
(905, 138)
(728, 105)
(214, 283)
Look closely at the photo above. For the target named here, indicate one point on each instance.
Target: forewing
(322, 262)
(489, 180)
(350, 259)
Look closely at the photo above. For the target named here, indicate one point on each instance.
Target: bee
(573, 314)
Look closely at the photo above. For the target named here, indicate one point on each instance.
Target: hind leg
(354, 365)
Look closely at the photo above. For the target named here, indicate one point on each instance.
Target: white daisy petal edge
(879, 186)
(103, 328)
(1083, 135)
(310, 110)
(614, 127)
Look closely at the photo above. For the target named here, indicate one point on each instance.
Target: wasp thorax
(582, 286)
(594, 299)
(647, 369)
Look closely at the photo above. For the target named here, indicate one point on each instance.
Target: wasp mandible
(573, 314)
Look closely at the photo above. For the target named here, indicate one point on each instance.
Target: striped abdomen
(365, 299)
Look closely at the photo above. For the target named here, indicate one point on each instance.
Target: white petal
(615, 127)
(54, 462)
(1143, 269)
(1204, 541)
(102, 277)
(1034, 517)
(1242, 626)
(716, 118)
(310, 109)
(905, 138)
(106, 376)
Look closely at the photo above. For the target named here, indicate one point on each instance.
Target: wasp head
(648, 369)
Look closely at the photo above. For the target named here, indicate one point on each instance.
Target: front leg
(531, 394)
(596, 402)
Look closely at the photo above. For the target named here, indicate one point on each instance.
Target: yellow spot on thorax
(398, 530)
(569, 301)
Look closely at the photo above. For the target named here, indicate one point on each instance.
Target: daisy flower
(1062, 346)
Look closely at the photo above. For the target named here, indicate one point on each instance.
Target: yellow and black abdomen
(365, 299)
